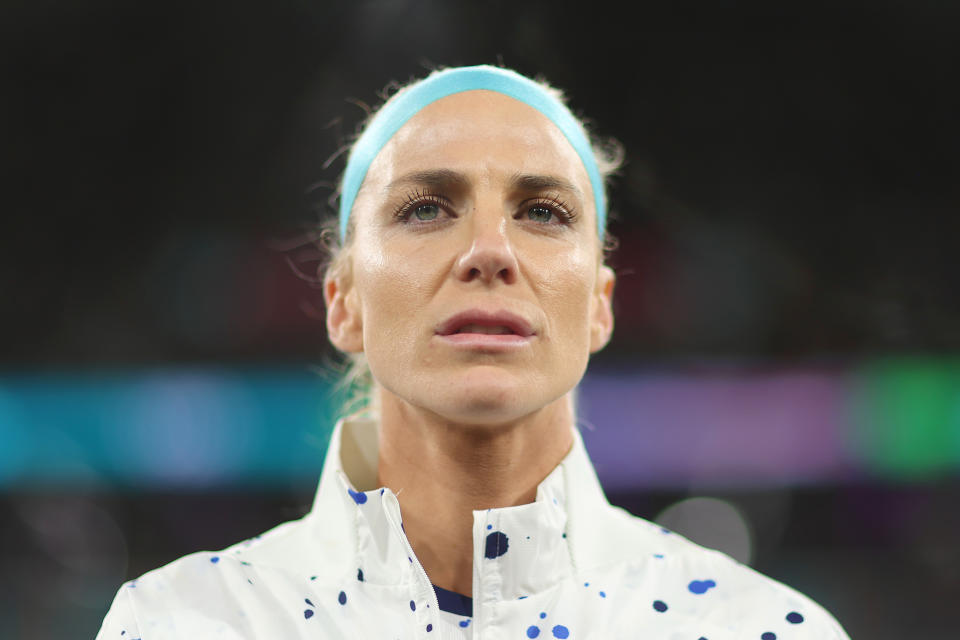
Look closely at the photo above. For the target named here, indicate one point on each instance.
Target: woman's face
(476, 287)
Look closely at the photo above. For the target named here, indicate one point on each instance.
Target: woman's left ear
(601, 322)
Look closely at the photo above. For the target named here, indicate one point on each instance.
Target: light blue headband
(441, 84)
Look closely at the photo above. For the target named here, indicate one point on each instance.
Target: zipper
(398, 530)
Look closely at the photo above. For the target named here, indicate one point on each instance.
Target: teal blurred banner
(895, 419)
(171, 428)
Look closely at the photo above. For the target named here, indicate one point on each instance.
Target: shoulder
(121, 620)
(215, 587)
(279, 549)
(675, 573)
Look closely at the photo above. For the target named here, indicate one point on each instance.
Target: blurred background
(784, 380)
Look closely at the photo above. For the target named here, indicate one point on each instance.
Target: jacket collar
(518, 551)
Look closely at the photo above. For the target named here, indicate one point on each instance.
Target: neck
(442, 471)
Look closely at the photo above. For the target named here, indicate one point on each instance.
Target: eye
(539, 213)
(426, 212)
(548, 212)
(422, 208)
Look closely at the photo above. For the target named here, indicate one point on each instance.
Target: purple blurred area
(787, 275)
(719, 429)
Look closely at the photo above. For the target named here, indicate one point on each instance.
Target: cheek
(394, 288)
(566, 289)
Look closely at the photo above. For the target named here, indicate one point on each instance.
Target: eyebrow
(434, 178)
(448, 178)
(529, 182)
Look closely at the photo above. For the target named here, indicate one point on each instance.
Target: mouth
(475, 322)
(486, 330)
(496, 330)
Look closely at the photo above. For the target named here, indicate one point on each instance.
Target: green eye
(426, 212)
(539, 214)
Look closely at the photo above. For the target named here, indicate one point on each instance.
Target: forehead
(483, 134)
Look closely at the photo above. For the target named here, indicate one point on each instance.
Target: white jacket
(568, 565)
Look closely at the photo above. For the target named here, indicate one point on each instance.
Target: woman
(472, 281)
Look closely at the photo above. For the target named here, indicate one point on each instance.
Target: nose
(489, 256)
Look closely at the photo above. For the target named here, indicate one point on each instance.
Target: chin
(489, 398)
(482, 412)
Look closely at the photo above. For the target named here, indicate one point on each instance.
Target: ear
(344, 320)
(601, 322)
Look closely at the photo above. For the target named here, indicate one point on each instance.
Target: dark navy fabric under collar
(453, 602)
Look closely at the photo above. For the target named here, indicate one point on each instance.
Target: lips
(478, 322)
(482, 328)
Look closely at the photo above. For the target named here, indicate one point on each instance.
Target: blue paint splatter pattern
(609, 577)
(497, 544)
(701, 586)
